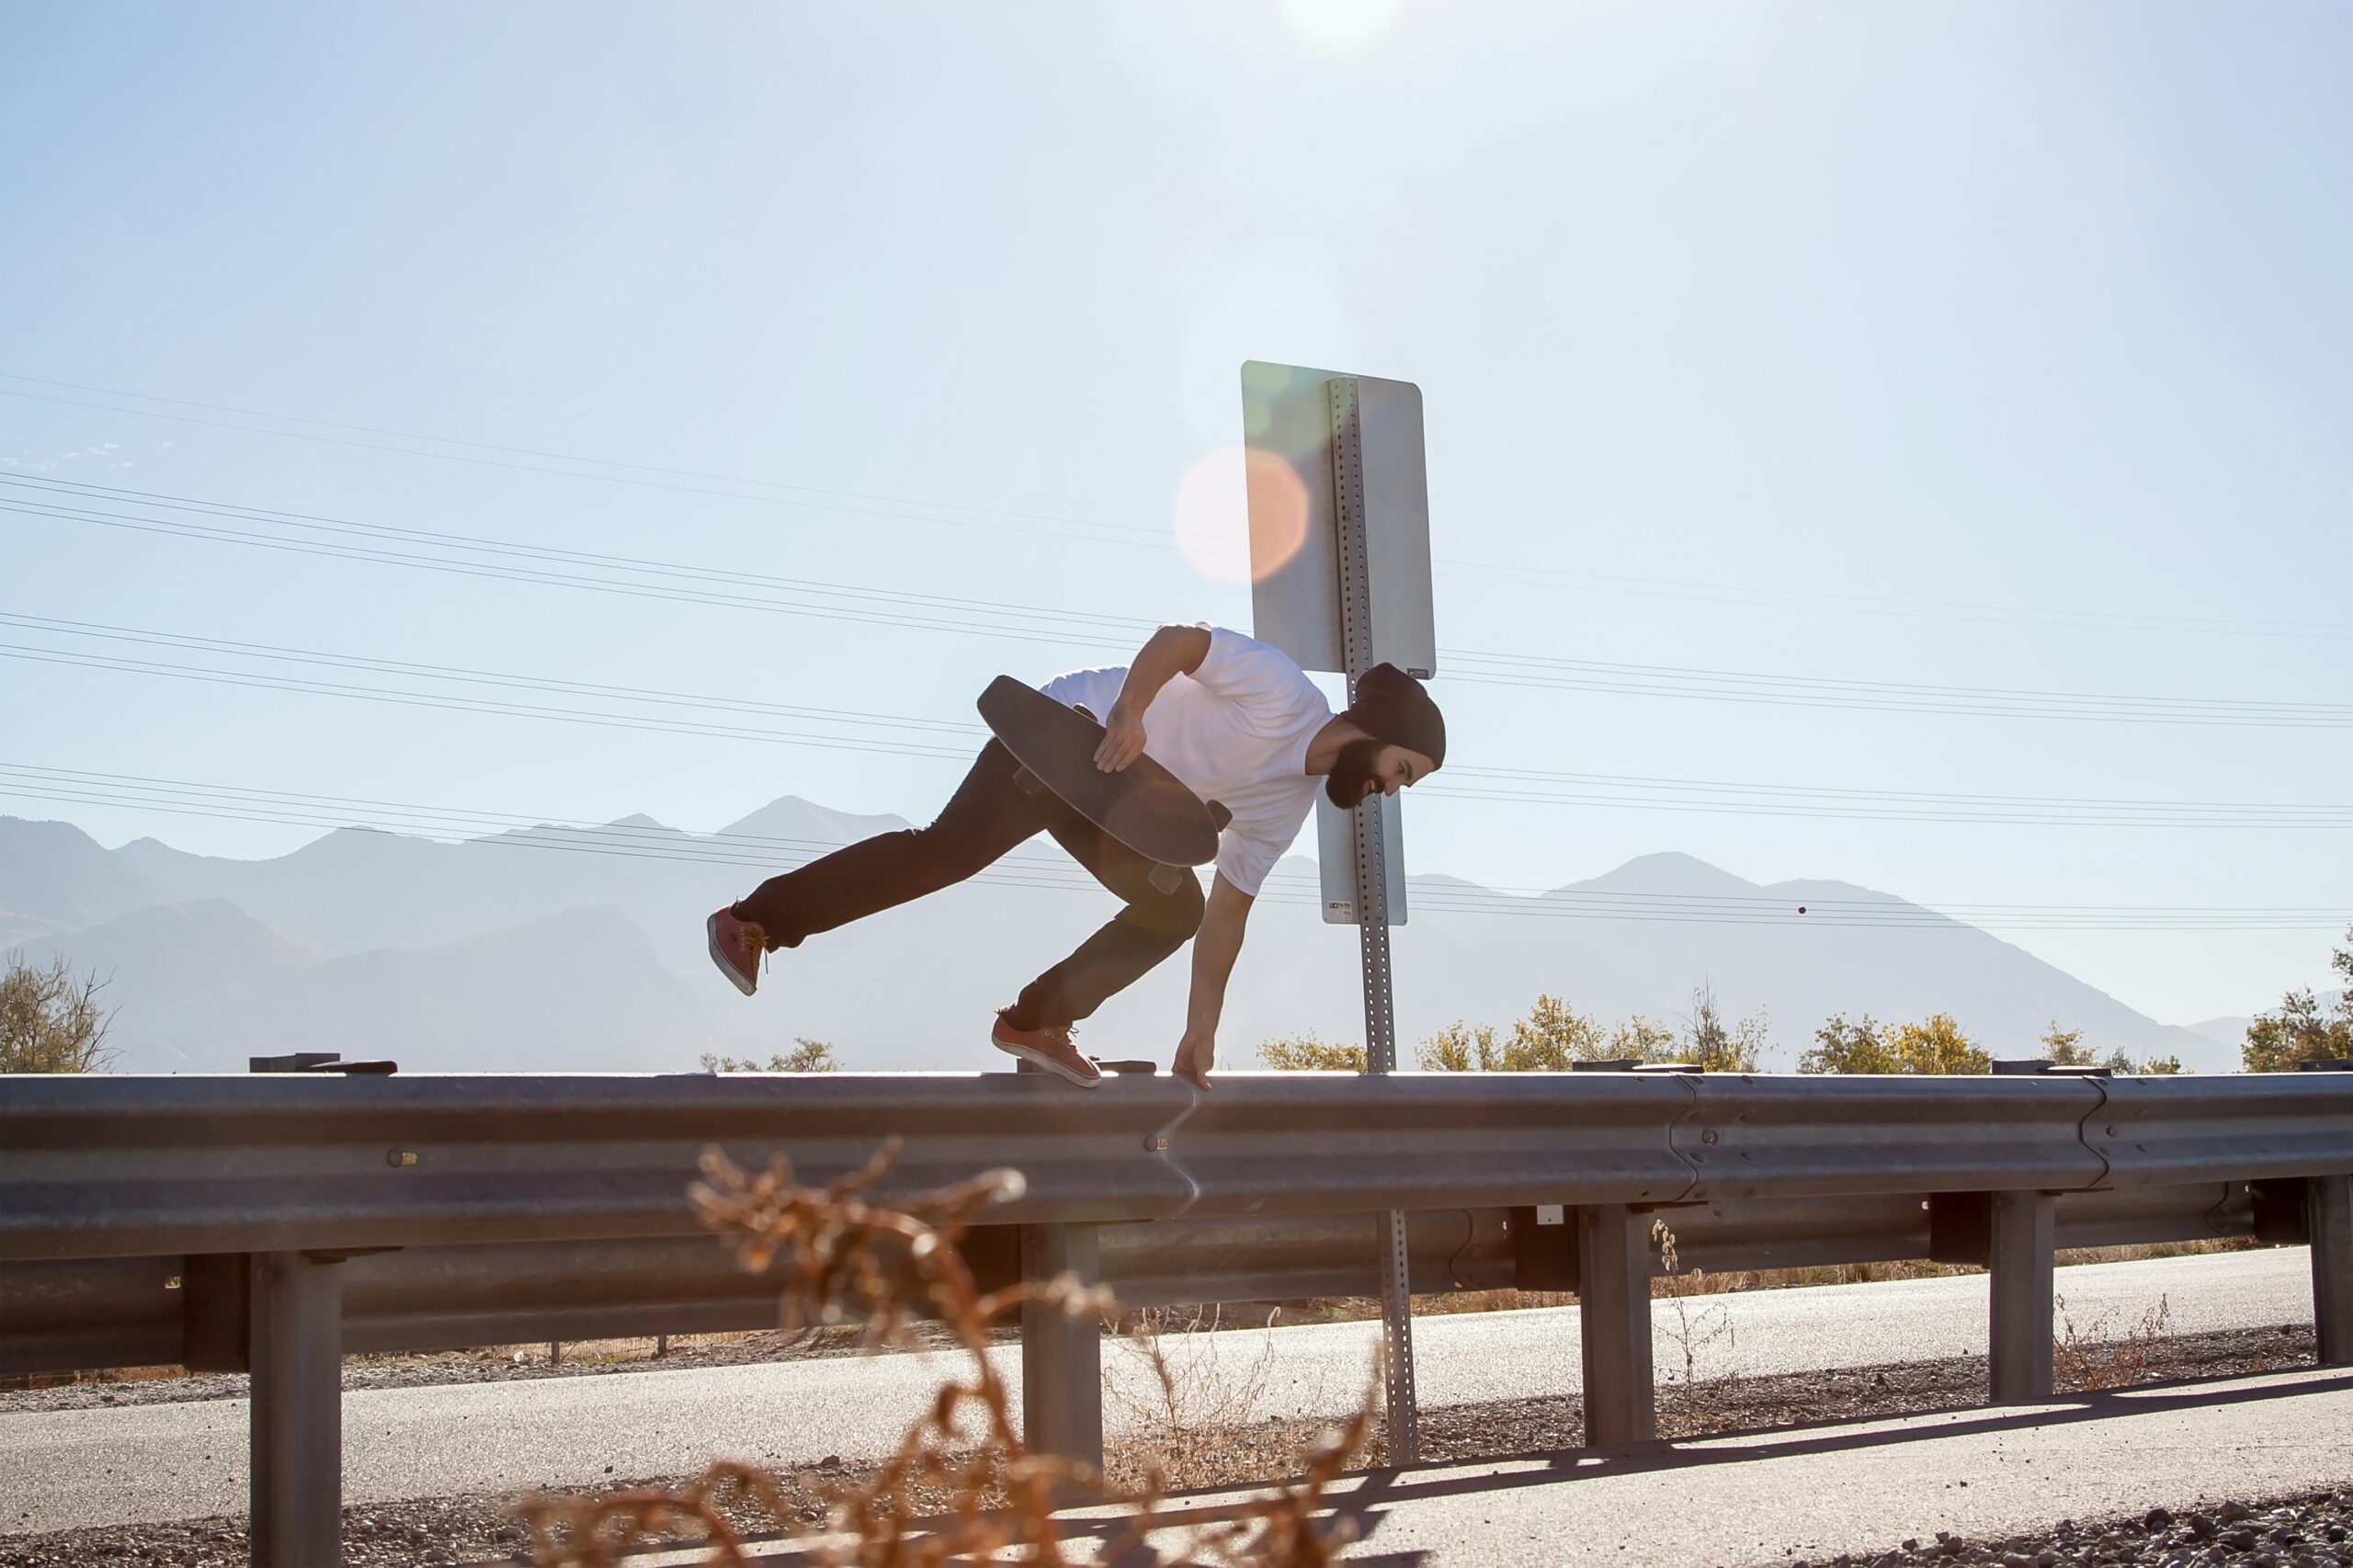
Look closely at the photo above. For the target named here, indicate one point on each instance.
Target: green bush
(51, 1020)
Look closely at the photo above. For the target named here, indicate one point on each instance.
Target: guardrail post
(296, 1516)
(1061, 1356)
(1614, 1315)
(2018, 1262)
(2329, 1221)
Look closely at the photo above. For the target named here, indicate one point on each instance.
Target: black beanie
(1393, 706)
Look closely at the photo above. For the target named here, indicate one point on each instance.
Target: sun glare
(1240, 514)
(1337, 26)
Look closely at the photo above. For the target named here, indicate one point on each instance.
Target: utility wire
(360, 542)
(470, 675)
(637, 577)
(1510, 574)
(835, 503)
(956, 741)
(1486, 667)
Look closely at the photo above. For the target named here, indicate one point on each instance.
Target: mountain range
(567, 949)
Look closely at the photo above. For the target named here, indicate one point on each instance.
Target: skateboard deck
(1143, 806)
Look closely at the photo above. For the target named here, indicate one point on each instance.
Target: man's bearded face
(1352, 776)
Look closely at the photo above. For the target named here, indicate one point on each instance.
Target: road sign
(1295, 599)
(1298, 574)
(1340, 580)
(1336, 854)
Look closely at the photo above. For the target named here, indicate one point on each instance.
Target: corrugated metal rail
(238, 1222)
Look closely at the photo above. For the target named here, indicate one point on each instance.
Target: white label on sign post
(1294, 528)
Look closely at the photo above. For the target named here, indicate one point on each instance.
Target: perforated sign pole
(1372, 903)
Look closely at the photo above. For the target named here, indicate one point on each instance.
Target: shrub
(2300, 1031)
(1935, 1045)
(1554, 1036)
(806, 1056)
(1304, 1052)
(51, 1020)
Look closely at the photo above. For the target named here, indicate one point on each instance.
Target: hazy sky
(1992, 346)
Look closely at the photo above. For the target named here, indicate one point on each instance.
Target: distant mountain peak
(791, 817)
(1668, 872)
(639, 818)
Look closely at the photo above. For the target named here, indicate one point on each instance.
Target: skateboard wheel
(1028, 782)
(1168, 879)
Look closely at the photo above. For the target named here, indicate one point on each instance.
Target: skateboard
(1144, 805)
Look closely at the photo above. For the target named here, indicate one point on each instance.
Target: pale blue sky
(1719, 311)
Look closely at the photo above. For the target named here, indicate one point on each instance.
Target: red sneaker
(1050, 1048)
(736, 946)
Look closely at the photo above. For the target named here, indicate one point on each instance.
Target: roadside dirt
(504, 1363)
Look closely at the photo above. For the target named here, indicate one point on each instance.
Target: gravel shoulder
(2314, 1531)
(478, 1528)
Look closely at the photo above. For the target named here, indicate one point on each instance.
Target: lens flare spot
(1335, 26)
(1240, 514)
(1209, 512)
(1278, 506)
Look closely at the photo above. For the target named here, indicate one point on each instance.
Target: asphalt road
(61, 1469)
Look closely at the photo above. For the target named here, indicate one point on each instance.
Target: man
(1233, 717)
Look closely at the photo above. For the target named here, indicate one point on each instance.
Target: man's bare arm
(1170, 651)
(1215, 946)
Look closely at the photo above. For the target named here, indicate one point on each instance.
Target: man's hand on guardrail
(1196, 1054)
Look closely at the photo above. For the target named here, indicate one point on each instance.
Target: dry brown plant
(2092, 1358)
(1695, 1333)
(1194, 1402)
(842, 1256)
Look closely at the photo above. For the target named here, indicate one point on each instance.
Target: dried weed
(842, 1256)
(1195, 1398)
(1696, 1334)
(2094, 1358)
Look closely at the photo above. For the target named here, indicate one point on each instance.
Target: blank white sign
(1294, 524)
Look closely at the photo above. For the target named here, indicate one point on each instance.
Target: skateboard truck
(1167, 878)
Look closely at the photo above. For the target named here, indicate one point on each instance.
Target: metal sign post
(1372, 903)
(1340, 580)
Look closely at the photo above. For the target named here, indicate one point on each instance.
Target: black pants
(988, 815)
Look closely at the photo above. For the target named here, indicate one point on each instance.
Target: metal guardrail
(134, 1166)
(235, 1222)
(67, 1315)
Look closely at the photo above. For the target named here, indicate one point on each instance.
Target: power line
(503, 710)
(1513, 574)
(669, 579)
(833, 503)
(470, 675)
(1752, 597)
(1739, 686)
(959, 738)
(636, 841)
(1038, 623)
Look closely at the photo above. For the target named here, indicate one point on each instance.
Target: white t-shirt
(1236, 731)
